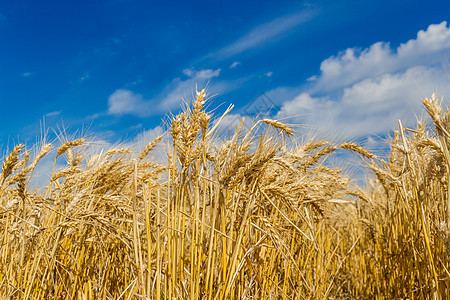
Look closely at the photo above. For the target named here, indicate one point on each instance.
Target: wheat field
(258, 215)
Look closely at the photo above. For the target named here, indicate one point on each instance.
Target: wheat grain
(149, 147)
(67, 145)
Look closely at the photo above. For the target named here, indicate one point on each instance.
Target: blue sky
(116, 68)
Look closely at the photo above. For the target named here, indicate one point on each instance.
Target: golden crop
(259, 215)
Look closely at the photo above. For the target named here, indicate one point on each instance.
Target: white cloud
(123, 102)
(52, 114)
(265, 33)
(188, 72)
(435, 39)
(234, 64)
(368, 89)
(352, 65)
(368, 107)
(269, 74)
(206, 74)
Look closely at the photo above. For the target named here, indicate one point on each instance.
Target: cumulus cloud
(363, 91)
(435, 39)
(369, 106)
(352, 65)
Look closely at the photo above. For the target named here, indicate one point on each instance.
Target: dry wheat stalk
(280, 126)
(251, 222)
(149, 147)
(10, 162)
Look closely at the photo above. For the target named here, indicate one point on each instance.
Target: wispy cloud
(266, 33)
(52, 114)
(234, 64)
